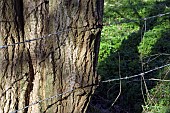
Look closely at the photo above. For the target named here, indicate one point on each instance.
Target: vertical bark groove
(43, 68)
(30, 82)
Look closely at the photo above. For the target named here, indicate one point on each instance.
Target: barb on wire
(125, 78)
(37, 102)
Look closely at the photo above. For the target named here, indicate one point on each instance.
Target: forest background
(135, 39)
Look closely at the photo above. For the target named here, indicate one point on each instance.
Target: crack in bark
(19, 19)
(10, 87)
(30, 82)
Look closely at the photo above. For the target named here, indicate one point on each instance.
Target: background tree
(65, 61)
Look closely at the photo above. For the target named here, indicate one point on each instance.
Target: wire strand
(111, 80)
(37, 102)
(143, 73)
(47, 36)
(105, 81)
(34, 39)
(142, 19)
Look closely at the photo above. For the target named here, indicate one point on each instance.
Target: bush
(131, 42)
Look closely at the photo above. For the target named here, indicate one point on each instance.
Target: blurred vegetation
(136, 46)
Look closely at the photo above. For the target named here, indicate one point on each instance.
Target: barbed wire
(49, 35)
(142, 19)
(123, 21)
(154, 79)
(141, 74)
(105, 81)
(34, 39)
(155, 16)
(37, 102)
(110, 80)
(52, 97)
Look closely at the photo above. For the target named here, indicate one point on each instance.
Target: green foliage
(160, 102)
(151, 37)
(112, 37)
(133, 41)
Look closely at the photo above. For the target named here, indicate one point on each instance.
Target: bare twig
(120, 88)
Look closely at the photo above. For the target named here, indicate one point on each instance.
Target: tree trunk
(64, 62)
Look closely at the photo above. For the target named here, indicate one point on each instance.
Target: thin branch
(120, 88)
(142, 64)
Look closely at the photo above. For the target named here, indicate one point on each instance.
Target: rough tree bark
(42, 68)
